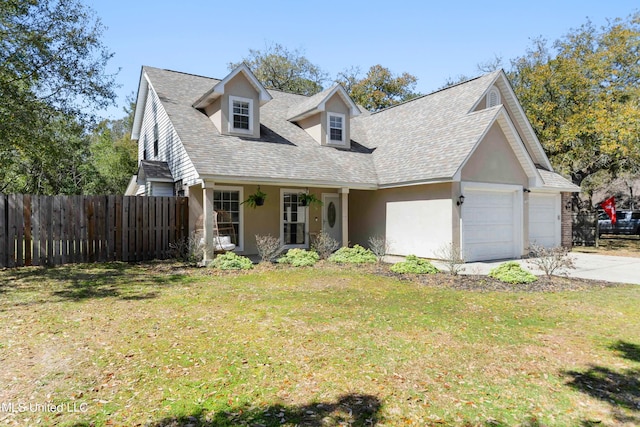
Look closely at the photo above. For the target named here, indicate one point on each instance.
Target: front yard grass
(160, 345)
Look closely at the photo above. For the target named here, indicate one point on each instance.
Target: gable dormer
(233, 104)
(326, 117)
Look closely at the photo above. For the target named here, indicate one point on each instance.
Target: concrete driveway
(616, 269)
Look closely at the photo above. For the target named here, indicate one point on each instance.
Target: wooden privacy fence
(54, 230)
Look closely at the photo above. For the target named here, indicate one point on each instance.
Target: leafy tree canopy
(113, 155)
(379, 88)
(288, 70)
(582, 96)
(52, 71)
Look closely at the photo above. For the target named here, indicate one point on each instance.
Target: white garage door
(491, 224)
(544, 219)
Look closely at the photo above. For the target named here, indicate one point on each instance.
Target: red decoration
(609, 207)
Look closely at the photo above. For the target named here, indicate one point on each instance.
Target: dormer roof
(316, 104)
(218, 90)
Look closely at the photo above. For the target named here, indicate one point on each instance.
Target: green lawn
(161, 345)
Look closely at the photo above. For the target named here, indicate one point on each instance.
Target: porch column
(345, 215)
(207, 212)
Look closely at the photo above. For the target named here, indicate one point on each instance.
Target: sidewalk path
(616, 269)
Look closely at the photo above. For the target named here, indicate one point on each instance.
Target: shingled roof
(422, 140)
(283, 152)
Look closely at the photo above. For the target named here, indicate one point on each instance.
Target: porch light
(460, 200)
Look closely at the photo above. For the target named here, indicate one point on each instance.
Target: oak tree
(52, 75)
(582, 96)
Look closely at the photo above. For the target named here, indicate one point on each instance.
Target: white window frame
(249, 101)
(491, 92)
(240, 190)
(305, 245)
(344, 129)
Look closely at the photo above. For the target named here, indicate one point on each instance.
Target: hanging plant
(256, 199)
(307, 199)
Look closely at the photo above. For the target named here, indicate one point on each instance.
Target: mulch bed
(463, 282)
(489, 284)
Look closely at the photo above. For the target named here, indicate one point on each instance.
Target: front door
(331, 216)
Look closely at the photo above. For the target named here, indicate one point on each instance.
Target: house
(459, 166)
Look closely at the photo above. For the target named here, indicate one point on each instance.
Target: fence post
(3, 231)
(28, 247)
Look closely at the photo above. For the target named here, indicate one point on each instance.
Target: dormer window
(240, 120)
(493, 98)
(335, 129)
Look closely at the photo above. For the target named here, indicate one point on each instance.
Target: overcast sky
(431, 41)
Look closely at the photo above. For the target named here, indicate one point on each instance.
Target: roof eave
(257, 180)
(212, 94)
(141, 100)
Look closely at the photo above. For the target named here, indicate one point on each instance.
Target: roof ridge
(435, 91)
(181, 72)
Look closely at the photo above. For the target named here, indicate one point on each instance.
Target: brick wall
(566, 226)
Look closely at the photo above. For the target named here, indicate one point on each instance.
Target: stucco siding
(261, 220)
(494, 161)
(415, 219)
(313, 126)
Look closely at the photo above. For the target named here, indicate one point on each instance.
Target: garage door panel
(490, 220)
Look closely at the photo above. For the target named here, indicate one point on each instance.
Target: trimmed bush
(413, 264)
(324, 245)
(268, 247)
(511, 272)
(379, 246)
(232, 261)
(299, 258)
(355, 255)
(189, 250)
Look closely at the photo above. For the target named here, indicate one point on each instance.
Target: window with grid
(294, 220)
(336, 128)
(240, 114)
(227, 204)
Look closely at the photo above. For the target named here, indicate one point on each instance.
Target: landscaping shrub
(232, 261)
(355, 255)
(324, 245)
(379, 246)
(512, 272)
(451, 257)
(413, 264)
(550, 260)
(299, 258)
(268, 247)
(189, 250)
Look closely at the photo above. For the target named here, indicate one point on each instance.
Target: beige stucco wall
(215, 113)
(494, 161)
(195, 208)
(261, 220)
(368, 209)
(313, 126)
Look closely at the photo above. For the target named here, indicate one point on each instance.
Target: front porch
(284, 214)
